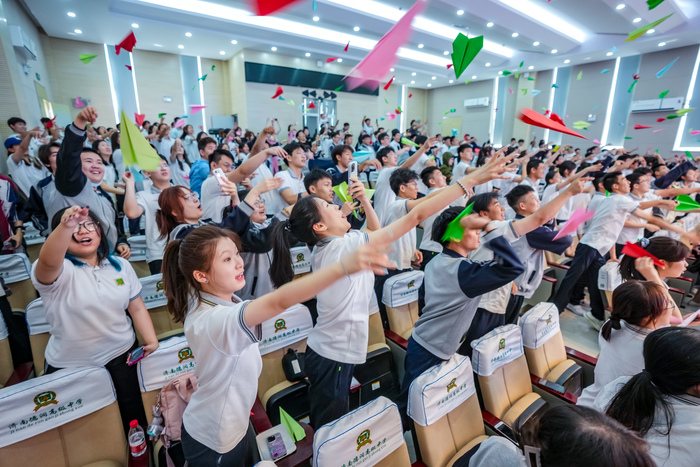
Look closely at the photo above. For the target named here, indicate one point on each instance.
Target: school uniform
(236, 221)
(164, 146)
(85, 309)
(395, 146)
(418, 167)
(600, 237)
(25, 176)
(384, 195)
(191, 148)
(228, 366)
(429, 247)
(339, 339)
(257, 257)
(180, 173)
(459, 171)
(213, 200)
(148, 200)
(199, 172)
(35, 208)
(672, 175)
(289, 182)
(632, 234)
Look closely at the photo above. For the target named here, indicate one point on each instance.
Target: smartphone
(220, 177)
(352, 171)
(276, 446)
(135, 356)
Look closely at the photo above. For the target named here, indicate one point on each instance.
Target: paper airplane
(87, 58)
(278, 93)
(533, 118)
(139, 118)
(196, 108)
(641, 31)
(136, 150)
(127, 43)
(464, 52)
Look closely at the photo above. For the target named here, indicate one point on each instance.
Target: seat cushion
(274, 390)
(469, 446)
(558, 370)
(519, 407)
(371, 348)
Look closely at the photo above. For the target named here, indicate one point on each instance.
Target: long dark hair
(182, 257)
(170, 214)
(578, 436)
(664, 248)
(96, 145)
(635, 302)
(104, 249)
(671, 368)
(305, 214)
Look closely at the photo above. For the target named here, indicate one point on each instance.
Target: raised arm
(247, 168)
(260, 140)
(410, 162)
(548, 211)
(70, 179)
(667, 226)
(132, 210)
(51, 256)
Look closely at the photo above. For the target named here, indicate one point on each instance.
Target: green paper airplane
(385, 100)
(689, 155)
(464, 52)
(505, 72)
(468, 81)
(342, 192)
(628, 137)
(686, 203)
(162, 115)
(632, 85)
(295, 430)
(339, 88)
(203, 78)
(532, 79)
(581, 125)
(580, 75)
(672, 116)
(454, 231)
(87, 58)
(521, 64)
(636, 34)
(654, 3)
(682, 112)
(408, 142)
(663, 94)
(135, 148)
(212, 67)
(607, 193)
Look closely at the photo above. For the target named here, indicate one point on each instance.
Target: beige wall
(235, 68)
(475, 121)
(216, 88)
(158, 75)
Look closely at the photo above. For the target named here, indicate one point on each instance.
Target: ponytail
(635, 406)
(281, 270)
(612, 323)
(664, 248)
(635, 302)
(173, 281)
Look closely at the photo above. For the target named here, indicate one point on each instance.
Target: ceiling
(579, 30)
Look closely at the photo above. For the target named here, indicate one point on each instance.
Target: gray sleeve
(497, 451)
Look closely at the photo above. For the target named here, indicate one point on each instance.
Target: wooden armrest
(20, 374)
(396, 339)
(549, 279)
(557, 265)
(566, 397)
(259, 418)
(498, 425)
(305, 449)
(585, 358)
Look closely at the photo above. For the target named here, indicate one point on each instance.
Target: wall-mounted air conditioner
(22, 41)
(657, 105)
(478, 102)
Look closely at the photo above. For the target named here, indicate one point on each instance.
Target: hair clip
(531, 451)
(643, 242)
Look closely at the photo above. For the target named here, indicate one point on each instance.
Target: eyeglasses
(259, 203)
(194, 196)
(90, 226)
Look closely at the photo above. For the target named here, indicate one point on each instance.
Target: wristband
(466, 192)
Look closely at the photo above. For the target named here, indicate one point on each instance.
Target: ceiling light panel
(546, 16)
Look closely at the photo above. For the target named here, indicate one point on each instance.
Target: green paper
(654, 3)
(87, 58)
(517, 74)
(399, 109)
(686, 203)
(607, 193)
(409, 142)
(385, 100)
(636, 34)
(628, 137)
(632, 85)
(521, 64)
(135, 148)
(339, 88)
(295, 430)
(342, 192)
(464, 52)
(531, 79)
(454, 231)
(290, 102)
(212, 67)
(581, 125)
(505, 73)
(524, 90)
(663, 94)
(672, 116)
(468, 81)
(682, 112)
(203, 78)
(162, 115)
(580, 75)
(689, 155)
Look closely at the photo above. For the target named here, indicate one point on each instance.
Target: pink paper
(375, 66)
(595, 141)
(695, 132)
(180, 123)
(196, 108)
(577, 218)
(275, 165)
(510, 90)
(656, 131)
(79, 103)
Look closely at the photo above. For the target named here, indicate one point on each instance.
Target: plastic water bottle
(137, 439)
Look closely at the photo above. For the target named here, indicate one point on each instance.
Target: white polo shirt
(228, 367)
(403, 248)
(148, 200)
(384, 195)
(180, 176)
(85, 308)
(213, 200)
(608, 221)
(269, 197)
(632, 234)
(289, 182)
(342, 329)
(25, 176)
(458, 171)
(427, 243)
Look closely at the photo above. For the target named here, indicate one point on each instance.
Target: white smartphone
(220, 177)
(352, 171)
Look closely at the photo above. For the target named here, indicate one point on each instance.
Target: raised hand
(87, 115)
(74, 215)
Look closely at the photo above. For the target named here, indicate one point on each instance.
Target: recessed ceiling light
(515, 34)
(413, 82)
(451, 81)
(157, 45)
(339, 60)
(307, 54)
(500, 72)
(134, 25)
(460, 12)
(567, 61)
(274, 49)
(221, 52)
(71, 14)
(488, 64)
(474, 77)
(531, 67)
(636, 20)
(554, 51)
(434, 77)
(609, 54)
(234, 42)
(620, 6)
(661, 44)
(188, 34)
(180, 46)
(78, 31)
(391, 69)
(420, 46)
(413, 74)
(446, 52)
(315, 18)
(536, 43)
(356, 28)
(430, 85)
(651, 31)
(489, 24)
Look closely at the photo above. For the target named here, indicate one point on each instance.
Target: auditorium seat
(301, 260)
(369, 436)
(138, 255)
(34, 241)
(287, 331)
(15, 270)
(445, 408)
(153, 296)
(504, 378)
(400, 296)
(38, 328)
(373, 177)
(545, 351)
(66, 419)
(362, 177)
(543, 292)
(6, 364)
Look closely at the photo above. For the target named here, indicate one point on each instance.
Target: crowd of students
(222, 242)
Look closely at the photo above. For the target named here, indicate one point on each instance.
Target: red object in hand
(636, 251)
(279, 92)
(642, 127)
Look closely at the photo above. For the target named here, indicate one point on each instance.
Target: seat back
(400, 296)
(38, 328)
(301, 260)
(138, 255)
(539, 326)
(499, 360)
(369, 436)
(445, 408)
(173, 358)
(153, 295)
(69, 418)
(6, 365)
(34, 241)
(15, 270)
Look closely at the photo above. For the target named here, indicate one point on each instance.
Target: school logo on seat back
(300, 257)
(280, 325)
(184, 354)
(363, 439)
(501, 344)
(411, 284)
(44, 399)
(160, 286)
(452, 385)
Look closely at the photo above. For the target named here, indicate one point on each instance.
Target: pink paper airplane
(196, 108)
(577, 218)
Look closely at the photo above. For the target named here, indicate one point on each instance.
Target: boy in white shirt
(466, 154)
(535, 171)
(293, 182)
(215, 197)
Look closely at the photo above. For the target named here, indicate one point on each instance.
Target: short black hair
(44, 152)
(516, 194)
(15, 120)
(334, 134)
(366, 135)
(215, 157)
(482, 202)
(346, 124)
(338, 151)
(642, 170)
(289, 148)
(634, 178)
(313, 177)
(532, 164)
(381, 136)
(567, 165)
(441, 223)
(610, 179)
(656, 167)
(463, 147)
(204, 142)
(394, 132)
(401, 177)
(383, 153)
(427, 174)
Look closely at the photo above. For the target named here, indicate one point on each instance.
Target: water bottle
(137, 439)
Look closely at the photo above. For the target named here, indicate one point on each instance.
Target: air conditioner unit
(657, 105)
(20, 39)
(478, 102)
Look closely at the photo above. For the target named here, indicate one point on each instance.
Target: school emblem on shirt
(119, 281)
(452, 385)
(280, 325)
(160, 286)
(300, 257)
(501, 344)
(411, 284)
(184, 354)
(549, 319)
(363, 439)
(44, 399)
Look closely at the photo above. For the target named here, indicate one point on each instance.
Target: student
(319, 183)
(292, 188)
(339, 339)
(599, 239)
(639, 307)
(395, 140)
(535, 171)
(215, 197)
(200, 169)
(164, 141)
(180, 164)
(367, 126)
(663, 177)
(559, 179)
(85, 291)
(11, 217)
(202, 274)
(79, 174)
(434, 179)
(25, 170)
(35, 208)
(465, 154)
(661, 402)
(365, 145)
(342, 156)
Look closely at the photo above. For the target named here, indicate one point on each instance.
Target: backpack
(172, 401)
